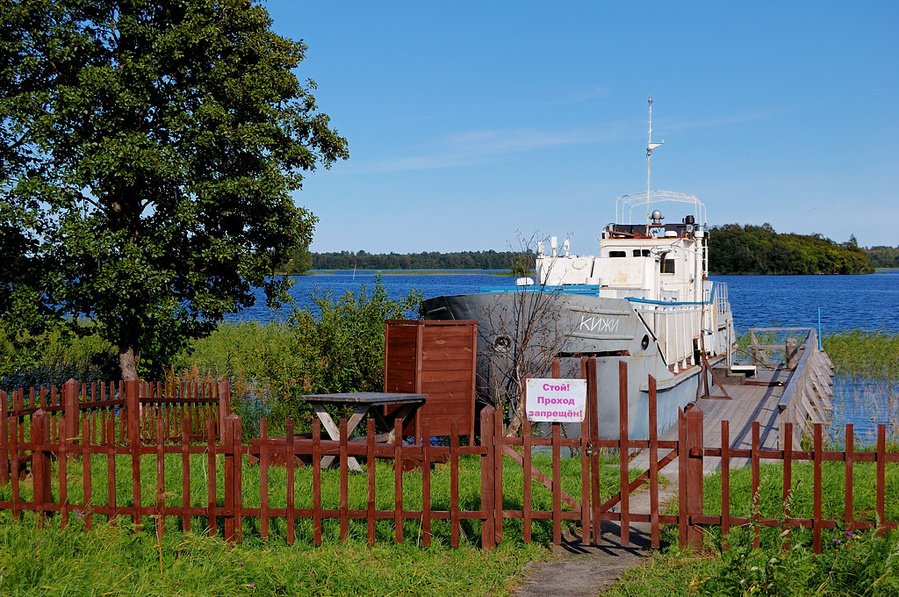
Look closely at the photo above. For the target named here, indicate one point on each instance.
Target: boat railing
(586, 289)
(674, 325)
(807, 396)
(721, 298)
(716, 293)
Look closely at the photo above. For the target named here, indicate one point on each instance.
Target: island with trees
(882, 257)
(736, 249)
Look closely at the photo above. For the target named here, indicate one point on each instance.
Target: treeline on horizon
(733, 249)
(430, 260)
(883, 257)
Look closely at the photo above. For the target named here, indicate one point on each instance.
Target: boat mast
(649, 147)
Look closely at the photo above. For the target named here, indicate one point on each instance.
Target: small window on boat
(617, 253)
(666, 266)
(641, 253)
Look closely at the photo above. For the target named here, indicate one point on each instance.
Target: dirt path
(585, 570)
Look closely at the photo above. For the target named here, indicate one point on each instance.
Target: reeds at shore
(866, 387)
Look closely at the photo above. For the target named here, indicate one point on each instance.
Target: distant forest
(733, 249)
(883, 257)
(432, 260)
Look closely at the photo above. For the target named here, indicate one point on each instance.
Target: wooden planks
(437, 358)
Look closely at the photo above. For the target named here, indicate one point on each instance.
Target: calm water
(869, 303)
(846, 302)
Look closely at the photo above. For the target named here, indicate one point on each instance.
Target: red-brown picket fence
(224, 453)
(135, 403)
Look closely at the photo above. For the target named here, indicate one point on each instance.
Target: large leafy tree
(148, 149)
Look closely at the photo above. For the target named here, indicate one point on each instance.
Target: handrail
(802, 403)
(794, 383)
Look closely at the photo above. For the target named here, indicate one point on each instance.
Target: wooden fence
(851, 520)
(109, 408)
(68, 486)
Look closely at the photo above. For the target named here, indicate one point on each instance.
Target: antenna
(649, 147)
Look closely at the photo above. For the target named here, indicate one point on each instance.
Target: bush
(333, 346)
(53, 357)
(341, 347)
(337, 345)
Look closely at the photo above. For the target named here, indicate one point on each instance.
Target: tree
(522, 332)
(298, 262)
(149, 148)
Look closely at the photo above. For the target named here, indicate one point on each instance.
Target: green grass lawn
(469, 494)
(39, 558)
(851, 563)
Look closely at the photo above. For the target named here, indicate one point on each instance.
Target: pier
(785, 377)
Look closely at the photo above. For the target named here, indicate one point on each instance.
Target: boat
(644, 299)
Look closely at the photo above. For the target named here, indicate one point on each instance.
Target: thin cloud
(485, 146)
(727, 120)
(477, 147)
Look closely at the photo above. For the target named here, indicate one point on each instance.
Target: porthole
(644, 343)
(502, 344)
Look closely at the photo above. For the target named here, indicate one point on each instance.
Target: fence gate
(589, 508)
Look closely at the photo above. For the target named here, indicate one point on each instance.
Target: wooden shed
(437, 358)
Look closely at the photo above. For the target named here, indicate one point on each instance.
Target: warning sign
(556, 400)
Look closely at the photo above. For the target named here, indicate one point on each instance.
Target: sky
(486, 125)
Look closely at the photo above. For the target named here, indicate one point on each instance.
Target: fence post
(233, 490)
(224, 396)
(498, 443)
(132, 410)
(595, 465)
(4, 438)
(40, 460)
(488, 528)
(791, 351)
(692, 470)
(623, 454)
(71, 406)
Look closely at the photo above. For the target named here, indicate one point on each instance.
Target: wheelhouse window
(617, 253)
(641, 253)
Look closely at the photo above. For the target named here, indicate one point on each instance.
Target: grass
(856, 565)
(41, 559)
(469, 494)
(864, 354)
(867, 383)
(851, 562)
(771, 505)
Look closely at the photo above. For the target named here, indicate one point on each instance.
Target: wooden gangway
(788, 382)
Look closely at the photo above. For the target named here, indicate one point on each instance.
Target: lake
(869, 303)
(846, 302)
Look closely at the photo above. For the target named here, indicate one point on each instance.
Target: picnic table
(366, 403)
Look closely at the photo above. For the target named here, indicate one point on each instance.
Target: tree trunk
(516, 421)
(128, 360)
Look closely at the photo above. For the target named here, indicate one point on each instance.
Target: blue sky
(472, 124)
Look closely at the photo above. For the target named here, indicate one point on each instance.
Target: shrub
(333, 346)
